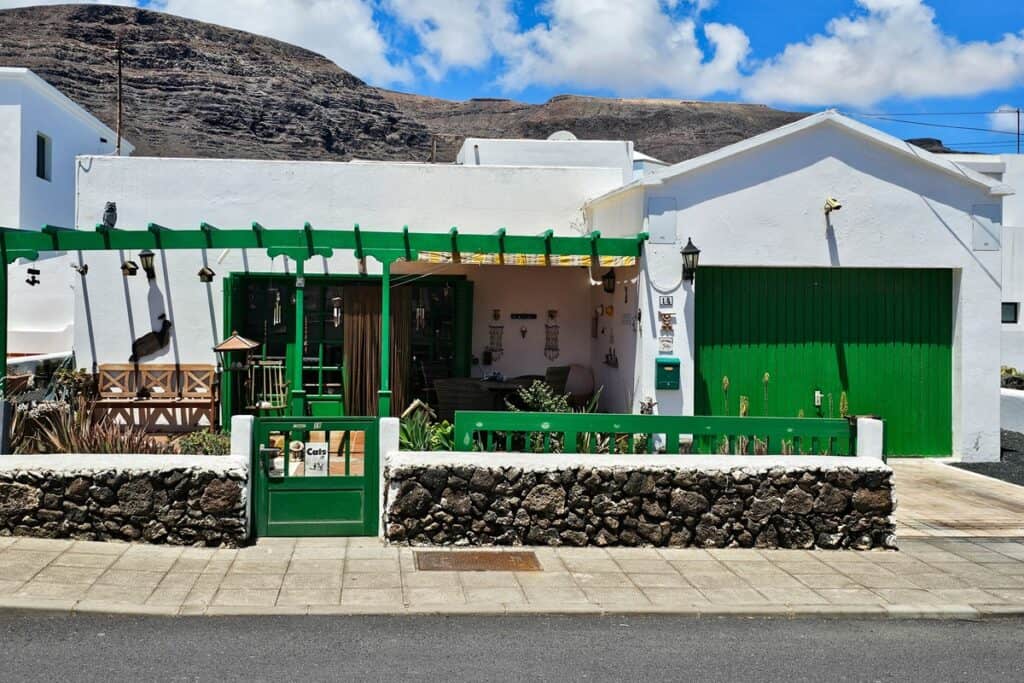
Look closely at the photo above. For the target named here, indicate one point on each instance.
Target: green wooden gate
(872, 341)
(316, 477)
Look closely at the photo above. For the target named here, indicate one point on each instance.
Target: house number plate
(665, 301)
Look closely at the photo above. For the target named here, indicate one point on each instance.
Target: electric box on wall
(666, 373)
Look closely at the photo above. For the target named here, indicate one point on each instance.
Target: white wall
(764, 208)
(180, 193)
(41, 318)
(568, 153)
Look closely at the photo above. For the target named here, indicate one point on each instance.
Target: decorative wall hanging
(151, 342)
(495, 343)
(336, 313)
(496, 314)
(551, 342)
(666, 322)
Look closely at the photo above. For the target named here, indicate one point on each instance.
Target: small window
(44, 153)
(1010, 312)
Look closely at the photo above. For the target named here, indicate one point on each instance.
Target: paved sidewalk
(929, 577)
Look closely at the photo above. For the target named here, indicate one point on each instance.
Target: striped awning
(491, 259)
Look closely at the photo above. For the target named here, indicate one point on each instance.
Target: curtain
(362, 348)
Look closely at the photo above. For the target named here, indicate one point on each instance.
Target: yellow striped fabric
(477, 259)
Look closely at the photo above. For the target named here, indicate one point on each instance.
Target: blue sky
(920, 60)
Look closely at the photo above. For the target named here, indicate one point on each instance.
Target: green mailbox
(666, 374)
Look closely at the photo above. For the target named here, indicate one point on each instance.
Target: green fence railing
(615, 433)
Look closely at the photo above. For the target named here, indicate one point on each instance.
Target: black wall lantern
(146, 256)
(129, 268)
(206, 274)
(608, 281)
(691, 255)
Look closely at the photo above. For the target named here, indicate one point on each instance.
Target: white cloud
(455, 33)
(891, 49)
(341, 30)
(630, 48)
(1004, 118)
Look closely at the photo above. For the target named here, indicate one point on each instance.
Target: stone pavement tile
(494, 594)
(826, 581)
(302, 581)
(118, 594)
(372, 596)
(203, 592)
(434, 595)
(594, 566)
(316, 566)
(371, 566)
(602, 580)
(233, 580)
(908, 596)
(966, 596)
(240, 566)
(6, 541)
(190, 564)
(371, 552)
(567, 553)
(734, 596)
(875, 580)
(685, 555)
(9, 586)
(34, 589)
(849, 596)
(74, 559)
(550, 561)
(216, 567)
(390, 579)
(717, 580)
(1009, 568)
(148, 563)
(245, 596)
(603, 595)
(781, 580)
(488, 579)
(360, 542)
(792, 596)
(736, 554)
(657, 566)
(133, 579)
(959, 568)
(55, 545)
(907, 567)
(993, 580)
(324, 542)
(544, 579)
(933, 556)
(658, 580)
(1014, 551)
(20, 572)
(805, 567)
(86, 575)
(37, 557)
(553, 596)
(168, 596)
(307, 596)
(178, 580)
(938, 580)
(675, 596)
(416, 579)
(320, 553)
(1011, 595)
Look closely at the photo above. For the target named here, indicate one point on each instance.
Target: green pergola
(300, 245)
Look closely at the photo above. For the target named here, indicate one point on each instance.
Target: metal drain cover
(476, 561)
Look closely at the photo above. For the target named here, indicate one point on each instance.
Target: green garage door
(873, 341)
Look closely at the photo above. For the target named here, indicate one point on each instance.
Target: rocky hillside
(196, 89)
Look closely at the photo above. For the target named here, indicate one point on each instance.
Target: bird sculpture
(151, 342)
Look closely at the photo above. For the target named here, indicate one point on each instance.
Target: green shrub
(419, 433)
(539, 397)
(69, 427)
(204, 443)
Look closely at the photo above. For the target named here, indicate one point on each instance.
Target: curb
(958, 612)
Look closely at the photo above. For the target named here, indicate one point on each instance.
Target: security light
(691, 255)
(832, 204)
(146, 256)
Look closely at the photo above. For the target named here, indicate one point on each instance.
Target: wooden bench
(162, 398)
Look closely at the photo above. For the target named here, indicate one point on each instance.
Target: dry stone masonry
(817, 506)
(179, 506)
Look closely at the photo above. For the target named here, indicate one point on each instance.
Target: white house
(841, 272)
(41, 134)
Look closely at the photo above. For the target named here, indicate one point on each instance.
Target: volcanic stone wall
(817, 505)
(179, 506)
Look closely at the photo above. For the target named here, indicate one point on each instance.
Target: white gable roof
(831, 118)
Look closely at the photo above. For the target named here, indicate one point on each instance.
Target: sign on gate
(316, 477)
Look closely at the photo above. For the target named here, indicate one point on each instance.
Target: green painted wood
(882, 336)
(306, 241)
(316, 506)
(475, 427)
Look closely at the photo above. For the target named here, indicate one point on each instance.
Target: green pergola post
(3, 324)
(298, 392)
(384, 395)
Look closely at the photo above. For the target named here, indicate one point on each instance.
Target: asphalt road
(107, 648)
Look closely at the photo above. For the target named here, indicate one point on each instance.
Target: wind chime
(336, 311)
(551, 336)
